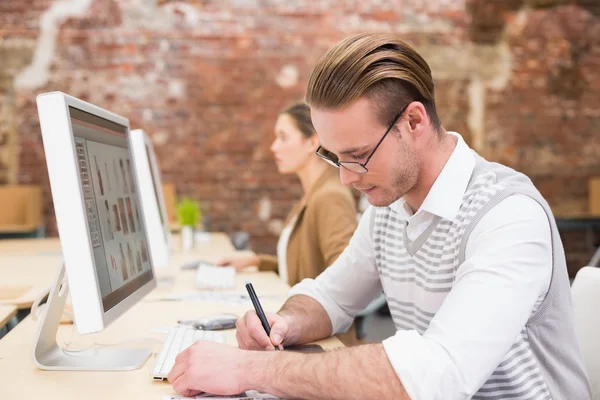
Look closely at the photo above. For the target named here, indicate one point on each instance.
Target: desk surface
(29, 266)
(38, 246)
(23, 278)
(51, 246)
(21, 379)
(6, 313)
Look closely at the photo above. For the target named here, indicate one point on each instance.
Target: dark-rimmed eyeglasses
(355, 166)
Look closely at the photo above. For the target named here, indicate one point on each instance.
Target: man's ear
(417, 118)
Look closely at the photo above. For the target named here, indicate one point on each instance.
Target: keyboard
(211, 277)
(179, 339)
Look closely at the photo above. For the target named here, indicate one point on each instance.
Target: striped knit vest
(417, 276)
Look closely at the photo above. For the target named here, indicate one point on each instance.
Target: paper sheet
(220, 297)
(207, 397)
(249, 395)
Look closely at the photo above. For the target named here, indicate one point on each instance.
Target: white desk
(38, 246)
(51, 246)
(29, 266)
(23, 278)
(22, 380)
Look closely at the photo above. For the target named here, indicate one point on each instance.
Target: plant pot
(187, 237)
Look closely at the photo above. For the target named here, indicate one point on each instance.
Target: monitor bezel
(71, 219)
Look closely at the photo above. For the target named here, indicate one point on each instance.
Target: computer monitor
(102, 232)
(151, 195)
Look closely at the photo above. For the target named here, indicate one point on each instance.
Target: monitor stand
(48, 355)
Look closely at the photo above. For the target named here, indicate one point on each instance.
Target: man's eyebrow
(355, 149)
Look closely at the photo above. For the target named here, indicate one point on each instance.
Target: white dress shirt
(506, 272)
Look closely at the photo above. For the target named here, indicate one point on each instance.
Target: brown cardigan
(326, 222)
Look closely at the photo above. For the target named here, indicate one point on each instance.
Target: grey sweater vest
(545, 361)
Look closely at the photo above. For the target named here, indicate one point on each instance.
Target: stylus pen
(259, 310)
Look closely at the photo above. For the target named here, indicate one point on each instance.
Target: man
(466, 251)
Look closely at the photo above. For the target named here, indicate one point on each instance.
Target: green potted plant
(188, 215)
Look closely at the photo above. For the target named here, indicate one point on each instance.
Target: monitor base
(48, 355)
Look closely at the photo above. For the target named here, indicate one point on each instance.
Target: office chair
(360, 319)
(240, 240)
(585, 292)
(21, 211)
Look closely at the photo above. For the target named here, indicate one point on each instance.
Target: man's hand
(224, 370)
(252, 336)
(208, 367)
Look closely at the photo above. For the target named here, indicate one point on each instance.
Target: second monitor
(151, 196)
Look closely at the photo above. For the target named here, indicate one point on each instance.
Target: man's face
(352, 133)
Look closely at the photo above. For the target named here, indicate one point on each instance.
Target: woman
(320, 225)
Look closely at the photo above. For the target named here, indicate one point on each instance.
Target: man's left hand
(208, 367)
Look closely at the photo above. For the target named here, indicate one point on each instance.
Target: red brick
(216, 135)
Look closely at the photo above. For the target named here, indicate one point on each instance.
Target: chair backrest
(20, 208)
(374, 305)
(240, 240)
(585, 292)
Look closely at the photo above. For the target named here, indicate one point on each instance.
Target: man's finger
(181, 386)
(278, 332)
(240, 326)
(177, 370)
(184, 355)
(241, 341)
(257, 332)
(250, 343)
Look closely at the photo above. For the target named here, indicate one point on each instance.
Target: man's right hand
(252, 336)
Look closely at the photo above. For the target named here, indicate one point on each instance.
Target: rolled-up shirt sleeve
(347, 286)
(505, 275)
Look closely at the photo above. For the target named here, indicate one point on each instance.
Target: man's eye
(359, 157)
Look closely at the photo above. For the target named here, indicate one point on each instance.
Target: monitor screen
(114, 218)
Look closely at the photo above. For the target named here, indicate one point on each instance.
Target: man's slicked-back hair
(379, 66)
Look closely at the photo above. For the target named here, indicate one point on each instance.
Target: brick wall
(520, 79)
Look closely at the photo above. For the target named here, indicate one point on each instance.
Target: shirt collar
(446, 193)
